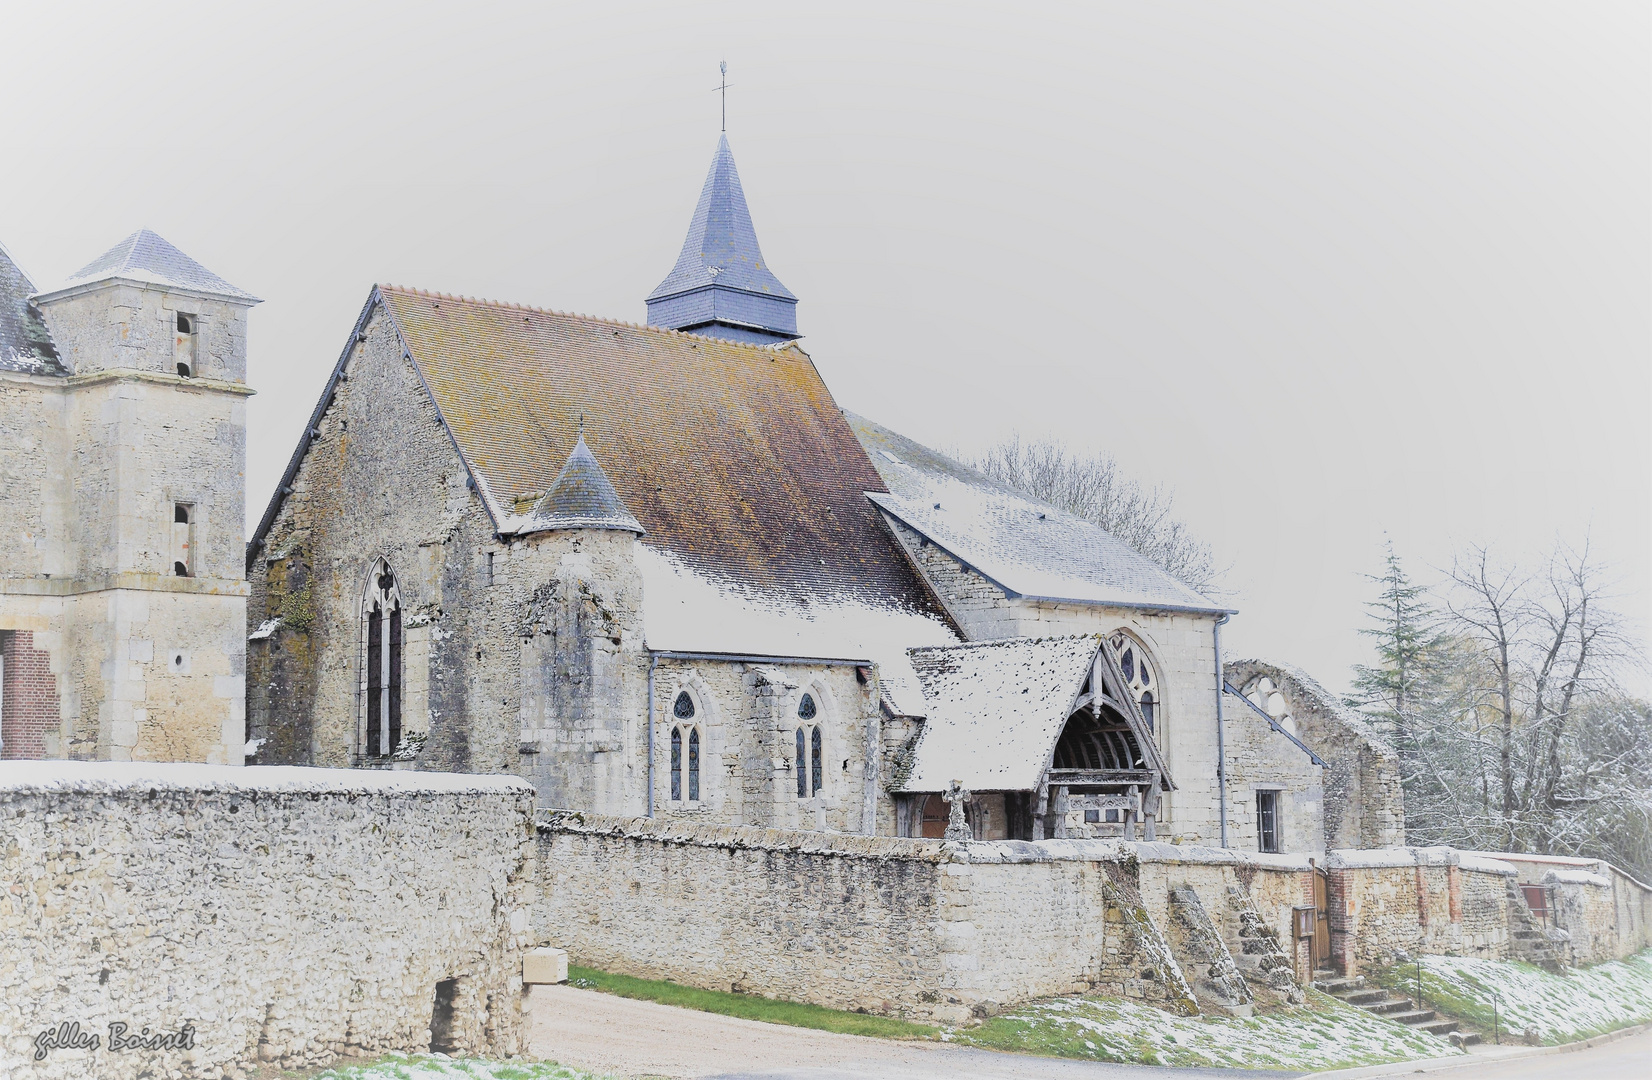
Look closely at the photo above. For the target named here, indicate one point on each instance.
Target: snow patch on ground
(1531, 1002)
(1324, 1034)
(442, 1067)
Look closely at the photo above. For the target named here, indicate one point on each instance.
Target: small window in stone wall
(183, 344)
(1267, 821)
(382, 663)
(811, 773)
(180, 549)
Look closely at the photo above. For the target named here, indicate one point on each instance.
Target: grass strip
(749, 1006)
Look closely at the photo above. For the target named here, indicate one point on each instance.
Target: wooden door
(1322, 921)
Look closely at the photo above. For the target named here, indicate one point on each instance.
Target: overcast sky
(1325, 271)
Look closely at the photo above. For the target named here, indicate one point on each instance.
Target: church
(656, 570)
(653, 569)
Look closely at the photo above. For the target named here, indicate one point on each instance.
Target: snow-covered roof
(689, 610)
(1026, 547)
(25, 343)
(95, 776)
(147, 258)
(996, 709)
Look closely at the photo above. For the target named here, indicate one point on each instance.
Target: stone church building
(657, 571)
(122, 501)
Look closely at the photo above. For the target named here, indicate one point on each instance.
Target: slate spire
(720, 286)
(581, 497)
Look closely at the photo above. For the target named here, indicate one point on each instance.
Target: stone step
(1417, 1018)
(1363, 998)
(1338, 986)
(1442, 1028)
(1465, 1039)
(1389, 1006)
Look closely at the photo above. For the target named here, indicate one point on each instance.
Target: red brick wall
(29, 706)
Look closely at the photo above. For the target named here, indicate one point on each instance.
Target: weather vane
(722, 66)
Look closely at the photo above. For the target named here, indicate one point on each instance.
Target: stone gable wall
(287, 916)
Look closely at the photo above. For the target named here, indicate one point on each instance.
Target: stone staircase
(1398, 1009)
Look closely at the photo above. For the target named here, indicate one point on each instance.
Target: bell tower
(721, 287)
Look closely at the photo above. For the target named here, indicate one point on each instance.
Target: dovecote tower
(721, 286)
(137, 566)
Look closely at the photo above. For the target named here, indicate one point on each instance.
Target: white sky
(1324, 270)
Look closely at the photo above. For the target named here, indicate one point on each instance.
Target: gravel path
(616, 1035)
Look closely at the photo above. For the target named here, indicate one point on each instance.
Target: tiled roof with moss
(733, 457)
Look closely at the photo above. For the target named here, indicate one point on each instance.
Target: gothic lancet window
(1139, 676)
(811, 774)
(382, 663)
(685, 736)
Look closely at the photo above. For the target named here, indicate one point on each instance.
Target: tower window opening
(182, 542)
(183, 345)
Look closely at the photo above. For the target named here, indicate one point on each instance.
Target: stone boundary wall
(1389, 901)
(891, 925)
(283, 915)
(1606, 913)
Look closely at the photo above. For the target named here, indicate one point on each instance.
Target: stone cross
(957, 827)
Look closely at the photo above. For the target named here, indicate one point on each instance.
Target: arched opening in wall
(935, 814)
(811, 743)
(183, 344)
(685, 750)
(443, 1039)
(182, 547)
(1265, 695)
(1141, 678)
(381, 663)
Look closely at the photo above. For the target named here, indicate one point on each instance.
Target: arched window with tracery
(811, 773)
(685, 750)
(381, 614)
(1139, 677)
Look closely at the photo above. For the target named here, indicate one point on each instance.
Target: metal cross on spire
(722, 87)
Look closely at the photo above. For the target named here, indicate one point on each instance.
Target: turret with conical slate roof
(581, 497)
(720, 286)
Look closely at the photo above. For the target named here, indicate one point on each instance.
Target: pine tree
(1409, 644)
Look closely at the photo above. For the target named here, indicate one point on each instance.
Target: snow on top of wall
(1484, 865)
(1576, 877)
(996, 709)
(1376, 858)
(687, 610)
(91, 777)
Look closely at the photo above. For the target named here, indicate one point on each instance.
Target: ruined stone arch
(379, 723)
(693, 743)
(1267, 695)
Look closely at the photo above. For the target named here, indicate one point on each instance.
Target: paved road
(616, 1035)
(1622, 1059)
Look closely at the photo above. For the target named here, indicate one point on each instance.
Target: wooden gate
(1322, 921)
